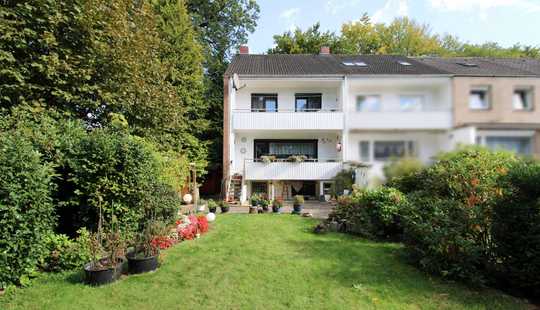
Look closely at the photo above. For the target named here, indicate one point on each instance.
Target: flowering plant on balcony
(297, 158)
(268, 158)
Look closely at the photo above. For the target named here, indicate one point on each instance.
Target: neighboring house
(330, 112)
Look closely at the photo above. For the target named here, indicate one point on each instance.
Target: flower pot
(276, 210)
(224, 209)
(212, 209)
(141, 265)
(265, 209)
(253, 209)
(104, 275)
(297, 209)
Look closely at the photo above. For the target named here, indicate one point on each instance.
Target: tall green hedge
(26, 208)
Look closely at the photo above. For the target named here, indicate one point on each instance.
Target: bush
(65, 253)
(343, 181)
(401, 168)
(26, 208)
(372, 213)
(447, 225)
(516, 231)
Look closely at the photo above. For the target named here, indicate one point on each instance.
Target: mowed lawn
(266, 262)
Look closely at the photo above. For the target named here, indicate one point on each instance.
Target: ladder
(234, 189)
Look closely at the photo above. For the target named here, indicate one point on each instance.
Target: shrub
(516, 230)
(298, 200)
(372, 213)
(447, 225)
(343, 181)
(401, 168)
(26, 208)
(65, 253)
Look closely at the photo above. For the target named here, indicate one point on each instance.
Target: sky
(504, 21)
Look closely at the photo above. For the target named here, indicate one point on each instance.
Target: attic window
(354, 64)
(348, 64)
(404, 63)
(360, 64)
(467, 64)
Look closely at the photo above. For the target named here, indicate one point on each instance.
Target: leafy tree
(305, 42)
(360, 37)
(222, 26)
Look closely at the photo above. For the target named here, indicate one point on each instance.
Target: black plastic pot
(276, 209)
(103, 276)
(224, 209)
(265, 209)
(212, 210)
(297, 209)
(141, 265)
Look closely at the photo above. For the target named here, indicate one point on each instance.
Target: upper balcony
(287, 120)
(440, 119)
(312, 169)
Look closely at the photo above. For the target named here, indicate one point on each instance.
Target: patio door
(308, 189)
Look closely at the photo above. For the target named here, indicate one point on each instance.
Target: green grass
(266, 262)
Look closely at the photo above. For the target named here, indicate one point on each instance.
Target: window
(308, 102)
(385, 150)
(411, 102)
(365, 151)
(285, 148)
(522, 99)
(264, 103)
(479, 98)
(354, 64)
(404, 63)
(369, 103)
(259, 188)
(520, 145)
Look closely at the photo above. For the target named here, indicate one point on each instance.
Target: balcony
(287, 120)
(312, 169)
(409, 120)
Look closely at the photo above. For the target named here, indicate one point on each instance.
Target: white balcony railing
(287, 120)
(285, 170)
(417, 120)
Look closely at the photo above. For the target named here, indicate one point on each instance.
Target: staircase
(234, 189)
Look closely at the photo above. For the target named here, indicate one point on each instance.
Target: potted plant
(254, 203)
(224, 206)
(268, 158)
(297, 158)
(144, 256)
(106, 265)
(277, 205)
(264, 204)
(298, 204)
(212, 206)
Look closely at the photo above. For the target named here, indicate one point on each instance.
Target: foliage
(65, 253)
(222, 26)
(447, 226)
(277, 203)
(145, 243)
(343, 181)
(212, 204)
(255, 199)
(401, 168)
(516, 231)
(26, 208)
(298, 199)
(372, 213)
(305, 42)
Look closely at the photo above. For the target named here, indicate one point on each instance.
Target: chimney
(244, 49)
(325, 50)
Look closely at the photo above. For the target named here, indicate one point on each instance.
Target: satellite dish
(236, 82)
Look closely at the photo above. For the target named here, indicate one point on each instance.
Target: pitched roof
(302, 64)
(485, 66)
(310, 65)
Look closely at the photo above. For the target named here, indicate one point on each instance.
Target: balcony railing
(284, 169)
(288, 120)
(433, 118)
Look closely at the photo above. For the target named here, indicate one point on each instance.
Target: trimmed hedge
(372, 213)
(26, 208)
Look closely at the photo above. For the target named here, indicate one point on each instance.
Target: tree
(222, 26)
(305, 42)
(360, 37)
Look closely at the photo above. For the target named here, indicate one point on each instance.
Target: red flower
(202, 224)
(162, 242)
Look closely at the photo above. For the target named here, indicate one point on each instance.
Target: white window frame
(421, 106)
(414, 152)
(481, 136)
(368, 95)
(487, 90)
(529, 97)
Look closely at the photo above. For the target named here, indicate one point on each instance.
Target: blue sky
(503, 21)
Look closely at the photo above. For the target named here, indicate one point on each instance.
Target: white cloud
(391, 10)
(335, 6)
(290, 16)
(482, 5)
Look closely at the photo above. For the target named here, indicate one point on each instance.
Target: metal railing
(286, 111)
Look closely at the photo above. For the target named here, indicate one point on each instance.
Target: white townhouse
(292, 122)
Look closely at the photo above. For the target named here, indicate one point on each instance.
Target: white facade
(412, 110)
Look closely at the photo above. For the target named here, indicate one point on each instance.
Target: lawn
(266, 262)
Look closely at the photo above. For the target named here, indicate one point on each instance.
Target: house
(292, 122)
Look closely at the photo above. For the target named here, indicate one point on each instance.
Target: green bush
(400, 168)
(64, 253)
(372, 213)
(516, 231)
(343, 181)
(26, 208)
(447, 225)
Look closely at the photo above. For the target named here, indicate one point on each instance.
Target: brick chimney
(325, 50)
(244, 49)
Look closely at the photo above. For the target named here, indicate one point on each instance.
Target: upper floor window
(479, 98)
(368, 103)
(264, 103)
(285, 148)
(523, 99)
(520, 145)
(307, 102)
(385, 150)
(411, 102)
